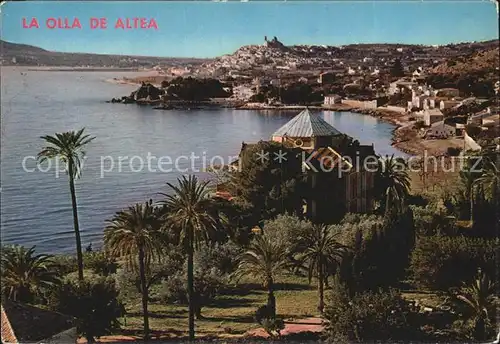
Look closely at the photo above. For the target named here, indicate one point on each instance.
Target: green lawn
(230, 314)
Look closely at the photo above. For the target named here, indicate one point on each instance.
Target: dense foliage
(369, 316)
(268, 187)
(441, 262)
(296, 93)
(196, 89)
(376, 243)
(93, 303)
(26, 275)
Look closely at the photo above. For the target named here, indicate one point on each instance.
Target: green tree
(320, 251)
(397, 69)
(134, 234)
(25, 274)
(369, 317)
(93, 303)
(490, 183)
(265, 258)
(480, 299)
(267, 186)
(68, 147)
(190, 210)
(392, 183)
(469, 182)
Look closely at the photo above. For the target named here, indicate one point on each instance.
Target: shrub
(128, 278)
(266, 318)
(212, 266)
(441, 262)
(207, 283)
(100, 263)
(453, 151)
(419, 125)
(376, 243)
(369, 316)
(66, 263)
(432, 219)
(223, 257)
(472, 130)
(93, 303)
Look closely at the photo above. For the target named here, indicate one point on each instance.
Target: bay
(36, 207)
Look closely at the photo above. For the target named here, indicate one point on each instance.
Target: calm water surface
(36, 207)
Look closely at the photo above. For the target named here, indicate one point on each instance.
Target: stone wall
(367, 104)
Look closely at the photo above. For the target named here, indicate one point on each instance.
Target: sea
(136, 150)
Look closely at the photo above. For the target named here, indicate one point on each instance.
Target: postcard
(250, 171)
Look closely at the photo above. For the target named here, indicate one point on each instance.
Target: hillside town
(331, 226)
(442, 98)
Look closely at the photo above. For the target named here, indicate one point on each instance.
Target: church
(339, 180)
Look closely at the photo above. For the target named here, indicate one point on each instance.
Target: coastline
(404, 136)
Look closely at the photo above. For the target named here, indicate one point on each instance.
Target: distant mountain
(22, 48)
(28, 55)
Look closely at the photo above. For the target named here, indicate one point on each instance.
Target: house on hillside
(440, 130)
(326, 78)
(23, 323)
(449, 104)
(478, 117)
(431, 116)
(329, 163)
(331, 99)
(447, 92)
(400, 86)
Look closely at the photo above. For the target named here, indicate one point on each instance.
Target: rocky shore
(404, 136)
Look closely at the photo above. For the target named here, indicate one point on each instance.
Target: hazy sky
(208, 29)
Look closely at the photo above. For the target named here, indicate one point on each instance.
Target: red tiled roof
(224, 194)
(28, 323)
(8, 335)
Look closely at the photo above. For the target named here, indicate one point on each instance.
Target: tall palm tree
(134, 234)
(69, 148)
(490, 182)
(190, 210)
(320, 251)
(393, 182)
(469, 181)
(480, 299)
(264, 259)
(25, 274)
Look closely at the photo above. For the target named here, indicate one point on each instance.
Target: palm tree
(469, 180)
(393, 182)
(190, 210)
(490, 182)
(319, 249)
(69, 147)
(265, 258)
(134, 234)
(24, 274)
(480, 299)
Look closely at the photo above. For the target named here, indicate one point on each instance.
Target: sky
(210, 29)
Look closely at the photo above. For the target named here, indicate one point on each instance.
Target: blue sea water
(36, 206)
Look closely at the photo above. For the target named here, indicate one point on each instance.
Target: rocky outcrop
(146, 94)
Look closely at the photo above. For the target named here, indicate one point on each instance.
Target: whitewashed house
(440, 130)
(331, 99)
(432, 116)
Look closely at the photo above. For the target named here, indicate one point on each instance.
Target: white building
(332, 99)
(440, 130)
(432, 116)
